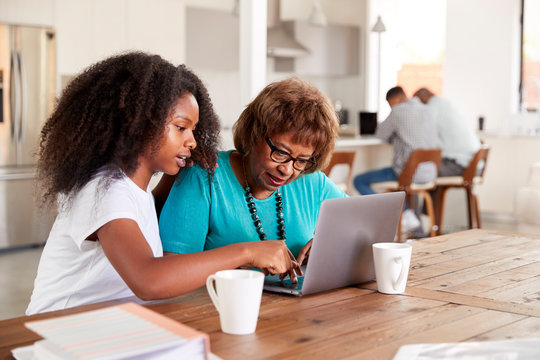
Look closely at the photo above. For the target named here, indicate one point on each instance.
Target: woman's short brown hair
(291, 105)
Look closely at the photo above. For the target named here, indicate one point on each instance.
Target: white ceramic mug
(392, 261)
(236, 294)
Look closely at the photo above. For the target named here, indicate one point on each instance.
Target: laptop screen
(368, 122)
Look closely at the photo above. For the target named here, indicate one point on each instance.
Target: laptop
(341, 251)
(368, 122)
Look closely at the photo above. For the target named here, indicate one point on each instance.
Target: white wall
(481, 76)
(481, 68)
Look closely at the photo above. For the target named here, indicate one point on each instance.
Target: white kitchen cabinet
(212, 42)
(91, 30)
(212, 39)
(334, 50)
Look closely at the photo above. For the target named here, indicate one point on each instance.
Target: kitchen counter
(354, 141)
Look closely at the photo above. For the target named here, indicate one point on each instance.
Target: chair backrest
(342, 157)
(417, 157)
(471, 171)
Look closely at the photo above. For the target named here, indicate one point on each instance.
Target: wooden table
(469, 286)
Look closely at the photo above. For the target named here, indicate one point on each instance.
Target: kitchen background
(478, 42)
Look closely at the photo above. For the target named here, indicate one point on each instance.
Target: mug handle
(210, 281)
(399, 260)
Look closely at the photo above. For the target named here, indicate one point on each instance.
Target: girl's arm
(164, 277)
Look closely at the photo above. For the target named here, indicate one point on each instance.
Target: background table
(470, 286)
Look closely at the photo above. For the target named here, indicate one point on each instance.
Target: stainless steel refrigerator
(27, 95)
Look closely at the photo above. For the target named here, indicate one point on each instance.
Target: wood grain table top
(469, 286)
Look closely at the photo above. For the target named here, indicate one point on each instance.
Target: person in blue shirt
(269, 187)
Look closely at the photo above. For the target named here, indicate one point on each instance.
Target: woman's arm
(169, 276)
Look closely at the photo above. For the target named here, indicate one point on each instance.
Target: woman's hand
(301, 260)
(303, 256)
(294, 271)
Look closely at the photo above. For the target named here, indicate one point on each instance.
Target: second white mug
(392, 261)
(236, 294)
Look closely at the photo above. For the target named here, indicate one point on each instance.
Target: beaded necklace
(253, 210)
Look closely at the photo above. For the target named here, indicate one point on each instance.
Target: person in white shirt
(459, 143)
(409, 126)
(116, 124)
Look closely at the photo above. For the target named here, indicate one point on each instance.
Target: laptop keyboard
(286, 283)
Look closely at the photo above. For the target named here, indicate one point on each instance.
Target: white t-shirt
(458, 140)
(74, 271)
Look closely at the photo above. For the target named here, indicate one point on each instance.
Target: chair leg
(441, 198)
(476, 211)
(470, 205)
(437, 205)
(431, 213)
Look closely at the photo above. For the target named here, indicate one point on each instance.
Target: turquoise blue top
(200, 216)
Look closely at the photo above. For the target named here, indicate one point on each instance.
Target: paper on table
(27, 353)
(23, 352)
(522, 349)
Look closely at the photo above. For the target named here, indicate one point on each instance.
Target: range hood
(280, 42)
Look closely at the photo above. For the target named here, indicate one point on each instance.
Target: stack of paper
(118, 332)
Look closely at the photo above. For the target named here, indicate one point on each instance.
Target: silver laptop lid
(341, 252)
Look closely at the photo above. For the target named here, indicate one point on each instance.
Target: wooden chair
(339, 158)
(472, 176)
(405, 183)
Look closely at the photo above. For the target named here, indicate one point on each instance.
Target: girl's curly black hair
(111, 114)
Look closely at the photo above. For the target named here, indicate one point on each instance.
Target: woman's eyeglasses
(283, 157)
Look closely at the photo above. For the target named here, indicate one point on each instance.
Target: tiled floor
(17, 273)
(18, 270)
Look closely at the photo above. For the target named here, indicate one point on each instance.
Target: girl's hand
(272, 257)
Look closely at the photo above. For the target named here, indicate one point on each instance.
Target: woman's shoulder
(311, 181)
(317, 185)
(222, 162)
(317, 176)
(224, 159)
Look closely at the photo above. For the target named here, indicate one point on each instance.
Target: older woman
(269, 187)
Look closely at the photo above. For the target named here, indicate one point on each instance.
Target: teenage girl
(116, 124)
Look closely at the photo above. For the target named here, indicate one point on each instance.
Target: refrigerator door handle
(14, 96)
(24, 98)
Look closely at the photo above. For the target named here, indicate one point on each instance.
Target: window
(530, 56)
(422, 43)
